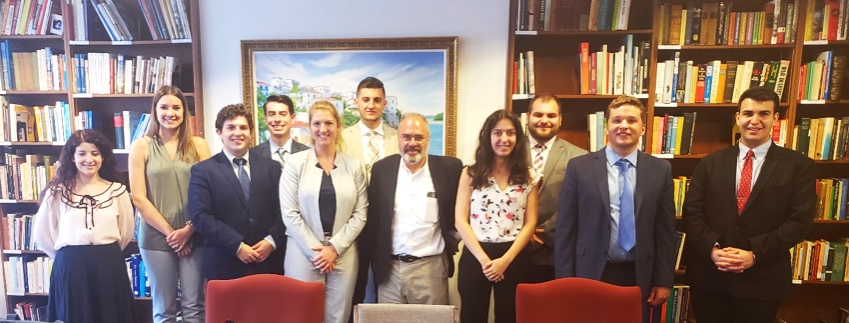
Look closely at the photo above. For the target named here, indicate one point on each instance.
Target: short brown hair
(232, 111)
(626, 100)
(543, 98)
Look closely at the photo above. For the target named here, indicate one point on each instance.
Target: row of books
(716, 81)
(32, 310)
(564, 15)
(823, 78)
(715, 24)
(51, 123)
(165, 19)
(820, 260)
(129, 127)
(827, 20)
(673, 134)
(28, 17)
(27, 274)
(17, 232)
(677, 305)
(822, 138)
(137, 272)
(680, 185)
(107, 73)
(832, 198)
(625, 71)
(596, 130)
(33, 71)
(25, 176)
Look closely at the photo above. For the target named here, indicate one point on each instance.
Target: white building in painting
(393, 118)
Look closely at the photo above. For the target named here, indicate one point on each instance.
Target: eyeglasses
(418, 138)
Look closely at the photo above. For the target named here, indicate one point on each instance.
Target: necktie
(374, 151)
(281, 152)
(244, 180)
(539, 163)
(627, 233)
(745, 182)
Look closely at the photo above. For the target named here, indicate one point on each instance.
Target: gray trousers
(164, 269)
(424, 281)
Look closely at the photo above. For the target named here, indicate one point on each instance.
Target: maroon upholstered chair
(264, 298)
(577, 300)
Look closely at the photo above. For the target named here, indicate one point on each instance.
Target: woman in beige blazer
(323, 201)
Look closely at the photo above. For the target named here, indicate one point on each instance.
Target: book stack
(831, 198)
(28, 17)
(49, 123)
(137, 271)
(17, 231)
(25, 176)
(615, 73)
(822, 138)
(165, 19)
(596, 130)
(673, 134)
(32, 310)
(108, 73)
(27, 274)
(564, 15)
(711, 24)
(676, 307)
(716, 81)
(680, 186)
(32, 71)
(820, 260)
(826, 20)
(822, 78)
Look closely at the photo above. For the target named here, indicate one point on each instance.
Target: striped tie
(281, 152)
(373, 150)
(539, 162)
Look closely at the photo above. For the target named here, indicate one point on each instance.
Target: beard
(540, 137)
(413, 159)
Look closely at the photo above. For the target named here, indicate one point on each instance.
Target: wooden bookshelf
(557, 71)
(186, 51)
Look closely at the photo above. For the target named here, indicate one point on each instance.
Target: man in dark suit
(410, 235)
(616, 221)
(745, 207)
(233, 203)
(279, 115)
(549, 156)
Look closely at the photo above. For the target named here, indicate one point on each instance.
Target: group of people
(530, 208)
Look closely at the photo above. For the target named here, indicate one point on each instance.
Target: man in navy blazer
(279, 115)
(594, 237)
(411, 245)
(738, 267)
(240, 227)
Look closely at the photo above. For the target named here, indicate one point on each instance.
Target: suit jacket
(264, 149)
(778, 214)
(225, 219)
(299, 191)
(354, 143)
(377, 238)
(583, 226)
(560, 152)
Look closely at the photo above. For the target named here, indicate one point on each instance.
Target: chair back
(266, 298)
(405, 313)
(577, 300)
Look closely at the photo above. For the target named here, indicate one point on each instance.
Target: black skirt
(90, 284)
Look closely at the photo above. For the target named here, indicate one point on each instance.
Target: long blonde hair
(185, 145)
(328, 107)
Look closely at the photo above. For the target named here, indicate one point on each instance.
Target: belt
(405, 258)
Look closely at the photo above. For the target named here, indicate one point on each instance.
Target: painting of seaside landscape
(415, 81)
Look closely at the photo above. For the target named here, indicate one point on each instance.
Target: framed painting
(419, 75)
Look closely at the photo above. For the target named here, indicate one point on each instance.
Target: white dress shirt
(415, 217)
(757, 161)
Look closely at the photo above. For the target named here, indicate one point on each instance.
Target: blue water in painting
(436, 138)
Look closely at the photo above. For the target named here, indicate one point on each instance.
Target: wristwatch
(189, 223)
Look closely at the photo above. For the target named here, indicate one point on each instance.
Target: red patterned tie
(745, 182)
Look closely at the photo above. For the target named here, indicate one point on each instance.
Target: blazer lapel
(554, 154)
(642, 179)
(227, 170)
(439, 182)
(770, 162)
(600, 172)
(355, 142)
(390, 141)
(265, 149)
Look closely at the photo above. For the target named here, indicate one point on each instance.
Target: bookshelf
(557, 70)
(140, 45)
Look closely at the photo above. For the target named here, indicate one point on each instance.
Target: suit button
(251, 220)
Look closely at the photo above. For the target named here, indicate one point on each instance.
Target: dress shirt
(415, 225)
(247, 167)
(364, 135)
(757, 161)
(615, 252)
(545, 152)
(286, 146)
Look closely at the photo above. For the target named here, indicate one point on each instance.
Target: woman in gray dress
(159, 165)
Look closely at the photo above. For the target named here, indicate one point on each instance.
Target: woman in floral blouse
(496, 214)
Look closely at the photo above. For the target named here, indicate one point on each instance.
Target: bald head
(414, 137)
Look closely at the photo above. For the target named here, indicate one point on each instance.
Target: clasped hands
(179, 241)
(256, 253)
(733, 260)
(325, 261)
(494, 269)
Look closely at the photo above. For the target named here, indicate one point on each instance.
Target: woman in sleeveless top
(84, 221)
(159, 165)
(496, 214)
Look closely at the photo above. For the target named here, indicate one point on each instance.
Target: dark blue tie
(627, 235)
(244, 180)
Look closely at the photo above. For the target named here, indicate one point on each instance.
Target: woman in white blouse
(496, 214)
(84, 221)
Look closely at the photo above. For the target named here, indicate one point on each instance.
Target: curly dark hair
(517, 161)
(232, 111)
(66, 175)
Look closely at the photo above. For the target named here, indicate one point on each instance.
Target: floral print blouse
(498, 216)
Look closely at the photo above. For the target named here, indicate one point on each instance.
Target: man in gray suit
(549, 156)
(369, 141)
(279, 115)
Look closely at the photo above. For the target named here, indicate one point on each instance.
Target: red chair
(577, 300)
(264, 298)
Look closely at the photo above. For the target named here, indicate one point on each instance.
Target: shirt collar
(547, 144)
(613, 157)
(760, 151)
(365, 130)
(424, 167)
(287, 145)
(230, 156)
